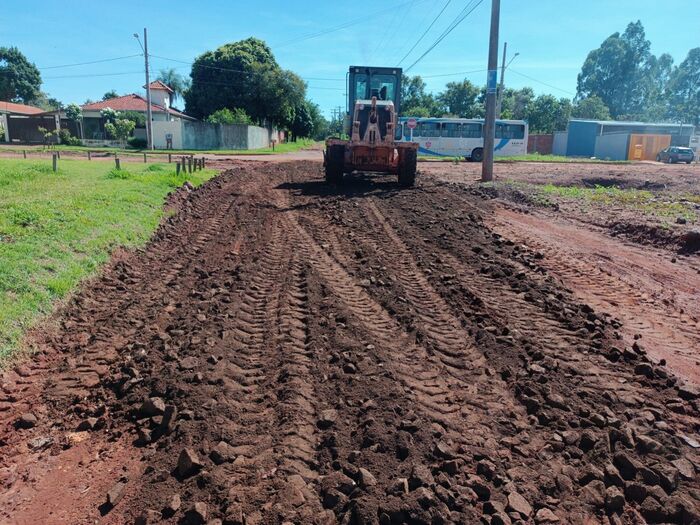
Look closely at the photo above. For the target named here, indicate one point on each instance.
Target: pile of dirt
(684, 241)
(284, 351)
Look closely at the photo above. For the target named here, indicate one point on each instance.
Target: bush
(114, 173)
(137, 143)
(226, 116)
(68, 139)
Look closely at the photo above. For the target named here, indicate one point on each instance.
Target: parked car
(675, 154)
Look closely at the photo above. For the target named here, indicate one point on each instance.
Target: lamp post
(504, 66)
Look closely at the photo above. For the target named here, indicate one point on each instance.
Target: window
(399, 131)
(510, 131)
(360, 87)
(383, 87)
(471, 130)
(451, 129)
(428, 129)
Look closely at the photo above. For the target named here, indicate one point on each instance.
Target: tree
(592, 108)
(46, 102)
(175, 81)
(20, 79)
(684, 89)
(226, 116)
(74, 113)
(547, 114)
(109, 115)
(110, 95)
(244, 75)
(459, 98)
(120, 129)
(517, 103)
(138, 118)
(624, 73)
(415, 101)
(321, 125)
(303, 124)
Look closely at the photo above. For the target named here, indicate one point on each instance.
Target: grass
(287, 147)
(530, 157)
(59, 228)
(643, 201)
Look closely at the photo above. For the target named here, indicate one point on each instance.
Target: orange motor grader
(374, 99)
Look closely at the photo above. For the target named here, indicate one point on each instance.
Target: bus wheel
(477, 154)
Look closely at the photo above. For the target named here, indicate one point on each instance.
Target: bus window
(471, 130)
(510, 131)
(451, 129)
(360, 87)
(428, 129)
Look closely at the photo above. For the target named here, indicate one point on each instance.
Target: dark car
(675, 154)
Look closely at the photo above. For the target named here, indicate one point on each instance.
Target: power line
(469, 9)
(543, 83)
(95, 75)
(455, 74)
(425, 32)
(92, 62)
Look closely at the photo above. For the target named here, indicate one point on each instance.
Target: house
(161, 110)
(13, 115)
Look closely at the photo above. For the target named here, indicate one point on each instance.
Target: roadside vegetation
(644, 202)
(530, 157)
(59, 228)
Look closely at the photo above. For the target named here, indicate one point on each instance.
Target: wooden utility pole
(491, 89)
(149, 115)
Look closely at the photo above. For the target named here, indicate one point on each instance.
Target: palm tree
(174, 81)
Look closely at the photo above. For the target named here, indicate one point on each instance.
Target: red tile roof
(21, 109)
(131, 103)
(157, 84)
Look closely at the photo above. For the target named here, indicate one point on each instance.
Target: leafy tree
(175, 81)
(415, 101)
(109, 115)
(303, 123)
(684, 89)
(45, 102)
(120, 129)
(459, 98)
(110, 95)
(592, 108)
(74, 113)
(244, 75)
(547, 114)
(321, 126)
(226, 116)
(624, 73)
(47, 135)
(138, 118)
(20, 79)
(517, 103)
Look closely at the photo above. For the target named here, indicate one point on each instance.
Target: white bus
(459, 137)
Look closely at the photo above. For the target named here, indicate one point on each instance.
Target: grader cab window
(360, 87)
(383, 87)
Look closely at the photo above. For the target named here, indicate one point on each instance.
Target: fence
(541, 144)
(25, 129)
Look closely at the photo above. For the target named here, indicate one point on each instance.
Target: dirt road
(285, 352)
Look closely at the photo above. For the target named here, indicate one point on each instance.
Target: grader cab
(374, 99)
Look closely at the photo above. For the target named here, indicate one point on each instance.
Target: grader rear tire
(335, 161)
(408, 168)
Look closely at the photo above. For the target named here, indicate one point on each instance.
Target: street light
(504, 66)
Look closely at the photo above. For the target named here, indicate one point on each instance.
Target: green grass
(644, 201)
(288, 147)
(59, 228)
(530, 157)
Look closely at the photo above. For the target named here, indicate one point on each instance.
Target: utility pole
(499, 95)
(149, 115)
(491, 88)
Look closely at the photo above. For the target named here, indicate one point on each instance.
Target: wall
(559, 143)
(205, 136)
(581, 138)
(612, 147)
(161, 128)
(541, 144)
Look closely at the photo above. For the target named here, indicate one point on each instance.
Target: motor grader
(373, 105)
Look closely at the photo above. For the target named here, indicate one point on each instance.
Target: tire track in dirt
(669, 326)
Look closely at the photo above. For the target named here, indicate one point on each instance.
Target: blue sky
(553, 38)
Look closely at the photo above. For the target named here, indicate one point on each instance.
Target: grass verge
(530, 157)
(287, 147)
(59, 228)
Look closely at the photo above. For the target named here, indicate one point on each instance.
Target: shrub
(226, 116)
(114, 173)
(68, 139)
(137, 143)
